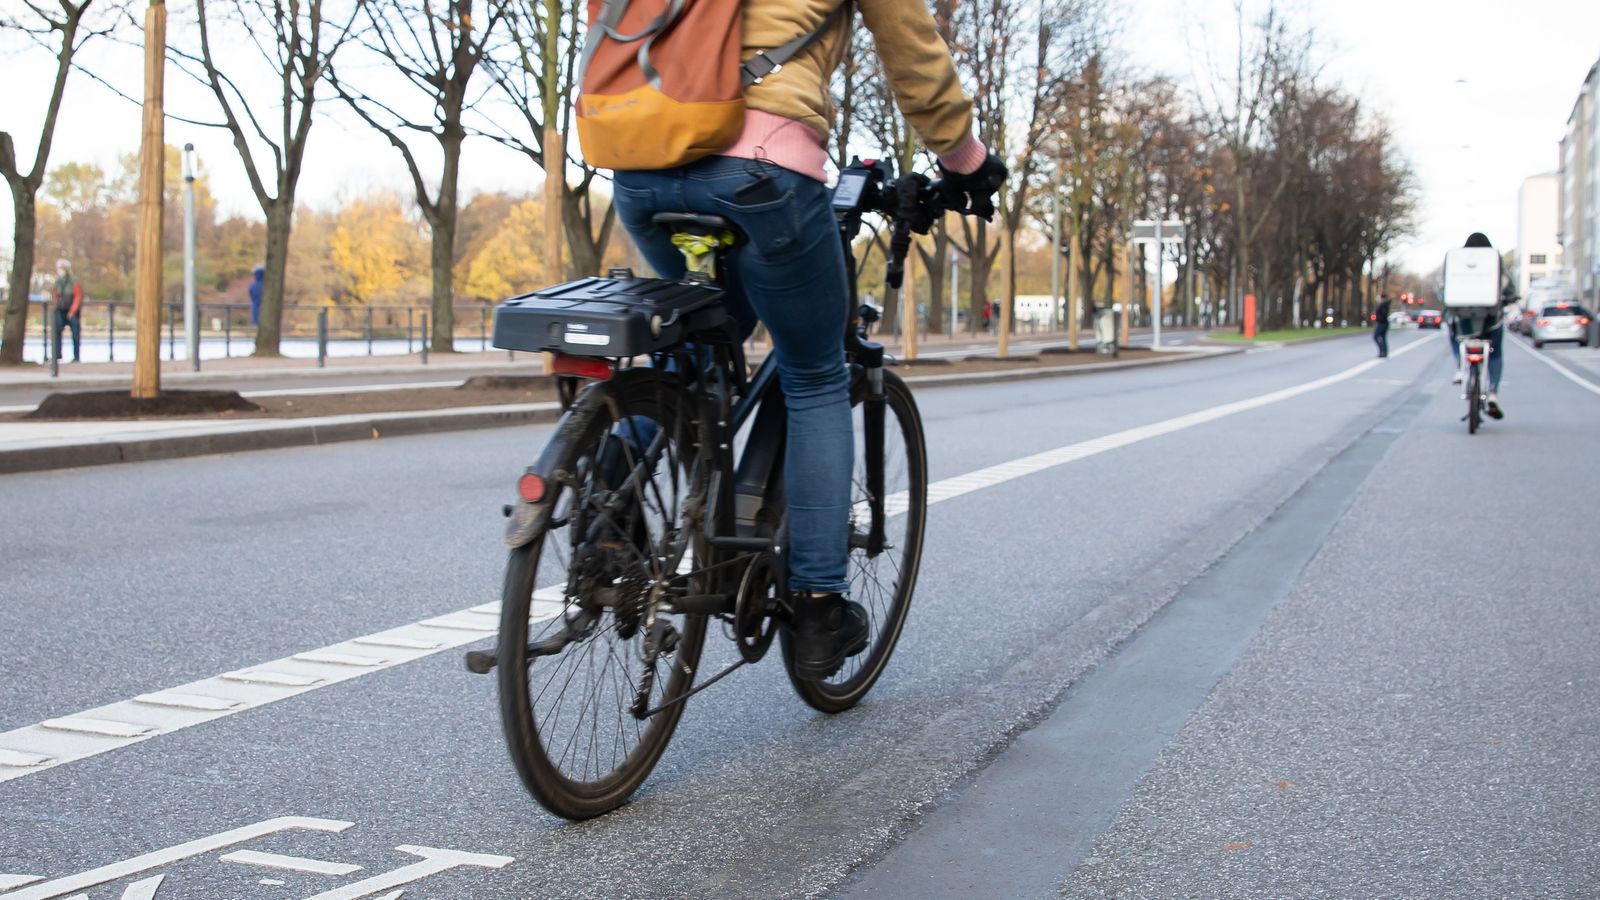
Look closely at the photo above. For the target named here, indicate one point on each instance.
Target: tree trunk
(937, 263)
(443, 326)
(280, 218)
(980, 262)
(16, 324)
(586, 248)
(443, 225)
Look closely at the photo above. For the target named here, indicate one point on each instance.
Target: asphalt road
(1285, 629)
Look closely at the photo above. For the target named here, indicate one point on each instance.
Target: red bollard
(1249, 317)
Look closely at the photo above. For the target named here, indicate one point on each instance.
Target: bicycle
(1474, 351)
(643, 520)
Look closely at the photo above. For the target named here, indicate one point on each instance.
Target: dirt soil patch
(482, 390)
(122, 405)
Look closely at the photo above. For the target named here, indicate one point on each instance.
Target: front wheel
(1474, 402)
(881, 582)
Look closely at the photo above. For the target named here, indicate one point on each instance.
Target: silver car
(1560, 322)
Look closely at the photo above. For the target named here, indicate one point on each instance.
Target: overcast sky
(1478, 100)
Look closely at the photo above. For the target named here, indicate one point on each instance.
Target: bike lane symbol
(433, 861)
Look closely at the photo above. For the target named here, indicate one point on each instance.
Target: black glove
(973, 192)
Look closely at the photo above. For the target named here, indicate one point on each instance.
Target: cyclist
(791, 273)
(1490, 324)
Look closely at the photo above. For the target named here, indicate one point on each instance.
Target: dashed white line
(35, 748)
(7, 882)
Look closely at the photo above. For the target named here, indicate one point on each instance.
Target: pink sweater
(794, 146)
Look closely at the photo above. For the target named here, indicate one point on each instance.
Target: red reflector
(1474, 358)
(599, 369)
(530, 487)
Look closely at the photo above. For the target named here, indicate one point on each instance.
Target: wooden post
(152, 163)
(908, 308)
(555, 152)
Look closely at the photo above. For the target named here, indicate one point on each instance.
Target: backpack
(662, 89)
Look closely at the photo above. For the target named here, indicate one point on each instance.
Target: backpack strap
(767, 62)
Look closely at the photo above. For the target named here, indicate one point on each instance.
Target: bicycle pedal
(479, 662)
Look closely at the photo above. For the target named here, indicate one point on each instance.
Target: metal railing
(107, 331)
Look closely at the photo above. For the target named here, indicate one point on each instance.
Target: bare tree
(63, 30)
(297, 40)
(436, 45)
(534, 90)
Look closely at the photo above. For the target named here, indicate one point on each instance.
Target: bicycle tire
(886, 606)
(1474, 402)
(531, 724)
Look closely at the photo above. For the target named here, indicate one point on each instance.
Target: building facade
(1538, 229)
(1580, 189)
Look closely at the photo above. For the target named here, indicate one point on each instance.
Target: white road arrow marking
(433, 862)
(7, 882)
(289, 863)
(155, 859)
(144, 889)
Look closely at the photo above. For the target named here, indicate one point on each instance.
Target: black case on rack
(617, 316)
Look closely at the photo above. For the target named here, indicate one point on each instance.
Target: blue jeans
(791, 275)
(1497, 357)
(1381, 335)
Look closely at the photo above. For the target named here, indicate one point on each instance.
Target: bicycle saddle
(698, 223)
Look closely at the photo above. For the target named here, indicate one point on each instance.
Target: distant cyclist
(1488, 323)
(791, 272)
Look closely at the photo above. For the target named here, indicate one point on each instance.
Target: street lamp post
(191, 310)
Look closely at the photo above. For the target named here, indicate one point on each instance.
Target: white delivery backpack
(1472, 278)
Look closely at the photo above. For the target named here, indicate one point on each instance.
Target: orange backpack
(659, 89)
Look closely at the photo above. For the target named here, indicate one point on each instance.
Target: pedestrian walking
(260, 276)
(1380, 326)
(69, 310)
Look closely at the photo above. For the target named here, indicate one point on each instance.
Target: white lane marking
(289, 863)
(1561, 369)
(145, 862)
(339, 659)
(271, 881)
(100, 727)
(188, 701)
(7, 882)
(268, 676)
(14, 759)
(279, 679)
(433, 862)
(392, 895)
(144, 889)
(397, 643)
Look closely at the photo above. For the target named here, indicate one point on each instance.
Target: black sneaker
(1492, 407)
(827, 630)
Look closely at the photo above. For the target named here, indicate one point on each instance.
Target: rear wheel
(881, 582)
(585, 639)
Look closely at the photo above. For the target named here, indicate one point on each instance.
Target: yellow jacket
(914, 57)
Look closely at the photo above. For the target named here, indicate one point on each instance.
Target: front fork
(873, 409)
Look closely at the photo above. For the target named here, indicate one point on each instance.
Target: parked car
(1561, 322)
(1430, 318)
(1399, 320)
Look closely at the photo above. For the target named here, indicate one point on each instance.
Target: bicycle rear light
(598, 369)
(530, 487)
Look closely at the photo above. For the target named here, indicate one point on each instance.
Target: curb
(92, 380)
(360, 427)
(969, 378)
(321, 430)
